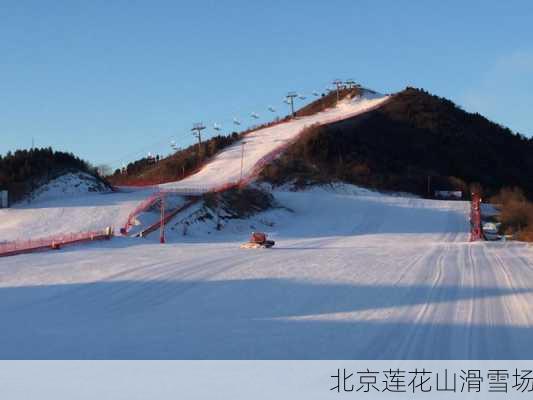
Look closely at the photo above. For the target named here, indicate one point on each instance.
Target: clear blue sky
(112, 80)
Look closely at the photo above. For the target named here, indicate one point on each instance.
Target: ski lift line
(182, 137)
(141, 153)
(178, 138)
(174, 143)
(142, 150)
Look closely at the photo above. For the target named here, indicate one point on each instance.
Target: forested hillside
(415, 142)
(25, 170)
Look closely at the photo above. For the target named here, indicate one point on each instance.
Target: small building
(448, 194)
(4, 200)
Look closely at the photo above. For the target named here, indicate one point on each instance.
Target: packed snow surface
(226, 166)
(354, 274)
(69, 184)
(63, 208)
(72, 202)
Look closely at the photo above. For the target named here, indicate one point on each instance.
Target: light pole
(162, 223)
(242, 160)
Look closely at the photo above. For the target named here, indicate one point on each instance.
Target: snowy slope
(66, 209)
(226, 166)
(69, 184)
(354, 274)
(71, 203)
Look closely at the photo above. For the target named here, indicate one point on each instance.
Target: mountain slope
(24, 171)
(225, 168)
(187, 162)
(412, 137)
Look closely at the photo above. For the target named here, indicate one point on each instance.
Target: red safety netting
(248, 179)
(167, 217)
(56, 241)
(145, 205)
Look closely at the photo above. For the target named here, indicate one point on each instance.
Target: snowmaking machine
(258, 240)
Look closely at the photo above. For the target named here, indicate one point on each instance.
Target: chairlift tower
(337, 83)
(197, 129)
(290, 99)
(350, 83)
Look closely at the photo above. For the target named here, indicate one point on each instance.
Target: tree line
(24, 170)
(415, 142)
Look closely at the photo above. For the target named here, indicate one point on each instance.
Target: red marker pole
(475, 218)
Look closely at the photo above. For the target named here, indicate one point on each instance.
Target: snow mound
(69, 184)
(56, 211)
(331, 208)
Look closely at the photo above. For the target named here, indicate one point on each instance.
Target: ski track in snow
(352, 275)
(226, 166)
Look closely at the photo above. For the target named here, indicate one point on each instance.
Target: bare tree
(104, 170)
